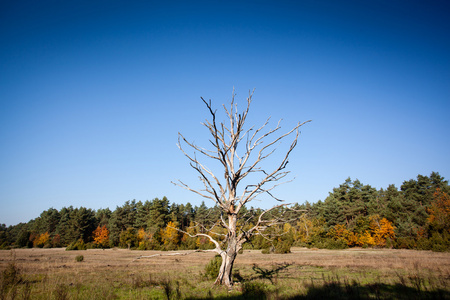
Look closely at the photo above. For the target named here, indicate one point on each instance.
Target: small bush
(268, 250)
(78, 245)
(255, 290)
(79, 258)
(327, 243)
(283, 247)
(10, 277)
(406, 243)
(5, 246)
(213, 267)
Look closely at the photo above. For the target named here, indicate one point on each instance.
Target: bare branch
(226, 141)
(216, 243)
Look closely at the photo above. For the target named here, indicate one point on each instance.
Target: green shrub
(213, 267)
(9, 279)
(283, 247)
(328, 243)
(406, 243)
(78, 245)
(79, 258)
(5, 246)
(128, 238)
(440, 242)
(92, 246)
(265, 251)
(268, 250)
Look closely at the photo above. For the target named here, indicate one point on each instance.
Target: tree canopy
(414, 216)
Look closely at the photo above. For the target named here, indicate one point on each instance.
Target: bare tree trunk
(229, 255)
(225, 272)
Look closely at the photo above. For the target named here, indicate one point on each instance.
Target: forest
(416, 216)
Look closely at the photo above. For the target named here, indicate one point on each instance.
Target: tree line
(415, 216)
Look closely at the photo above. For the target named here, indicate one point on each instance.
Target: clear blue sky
(93, 93)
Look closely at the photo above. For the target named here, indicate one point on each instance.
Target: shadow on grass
(269, 274)
(337, 290)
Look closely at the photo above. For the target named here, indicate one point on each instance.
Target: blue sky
(93, 95)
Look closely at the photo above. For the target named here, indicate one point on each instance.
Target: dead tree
(227, 187)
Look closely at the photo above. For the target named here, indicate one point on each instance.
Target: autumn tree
(170, 236)
(382, 230)
(439, 211)
(438, 222)
(237, 173)
(41, 240)
(101, 236)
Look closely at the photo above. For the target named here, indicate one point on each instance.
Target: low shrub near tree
(213, 267)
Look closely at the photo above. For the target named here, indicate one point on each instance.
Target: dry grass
(116, 273)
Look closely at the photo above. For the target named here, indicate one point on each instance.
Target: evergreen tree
(129, 213)
(175, 214)
(187, 212)
(116, 225)
(82, 222)
(23, 239)
(159, 215)
(201, 214)
(65, 228)
(47, 222)
(142, 214)
(102, 216)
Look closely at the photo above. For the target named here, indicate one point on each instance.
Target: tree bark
(226, 268)
(229, 255)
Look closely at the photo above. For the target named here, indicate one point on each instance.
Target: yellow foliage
(339, 232)
(380, 231)
(142, 235)
(306, 228)
(352, 239)
(287, 227)
(170, 235)
(41, 240)
(366, 239)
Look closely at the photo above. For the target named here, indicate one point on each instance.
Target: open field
(302, 274)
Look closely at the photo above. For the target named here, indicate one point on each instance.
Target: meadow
(303, 274)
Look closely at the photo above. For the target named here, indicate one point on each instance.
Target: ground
(302, 274)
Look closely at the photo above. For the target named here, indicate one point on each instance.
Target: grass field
(302, 274)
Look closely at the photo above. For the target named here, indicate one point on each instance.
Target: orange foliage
(101, 236)
(381, 230)
(440, 208)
